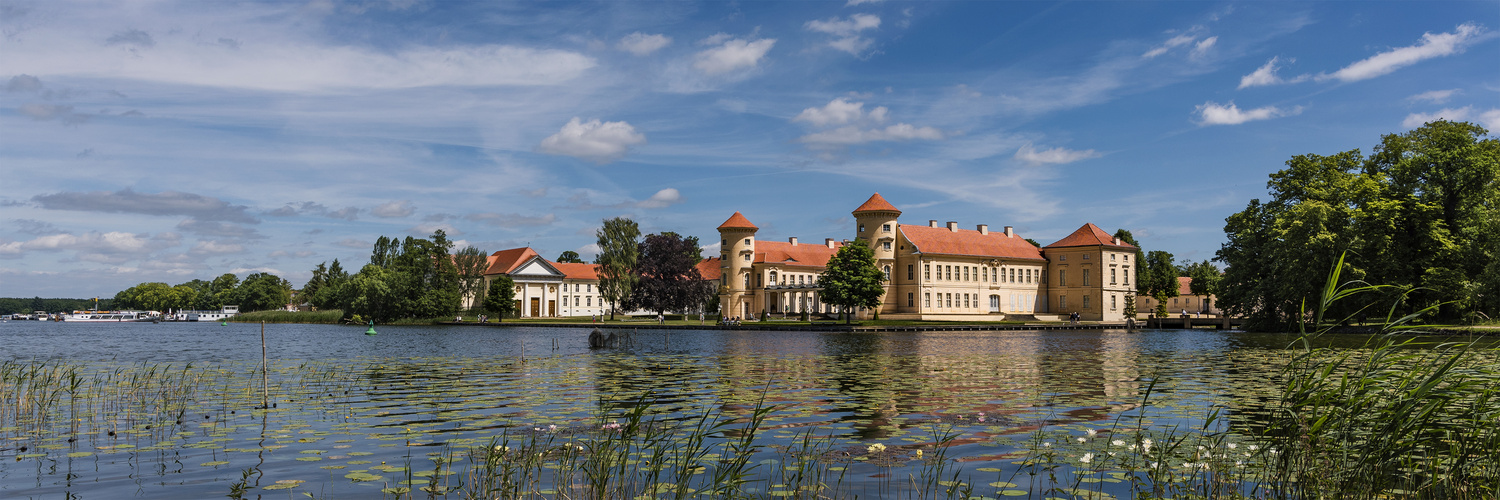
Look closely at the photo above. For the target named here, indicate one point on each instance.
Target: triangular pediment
(537, 266)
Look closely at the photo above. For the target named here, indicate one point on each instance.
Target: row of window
(974, 273)
(1062, 276)
(1064, 257)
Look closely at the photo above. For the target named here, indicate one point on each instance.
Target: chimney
(828, 241)
(1010, 232)
(931, 223)
(984, 229)
(953, 226)
(1117, 242)
(793, 240)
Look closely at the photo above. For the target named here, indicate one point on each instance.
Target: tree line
(405, 278)
(17, 305)
(1420, 213)
(258, 292)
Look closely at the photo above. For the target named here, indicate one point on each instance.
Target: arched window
(773, 278)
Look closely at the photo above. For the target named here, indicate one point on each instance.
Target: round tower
(876, 224)
(737, 244)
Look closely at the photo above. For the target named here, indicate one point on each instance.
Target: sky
(166, 141)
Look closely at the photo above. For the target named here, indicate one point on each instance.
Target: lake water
(385, 405)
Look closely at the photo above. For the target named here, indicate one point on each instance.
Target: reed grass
(327, 317)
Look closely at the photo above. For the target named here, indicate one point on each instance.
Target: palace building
(936, 272)
(547, 289)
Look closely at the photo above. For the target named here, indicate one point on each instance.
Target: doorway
(536, 307)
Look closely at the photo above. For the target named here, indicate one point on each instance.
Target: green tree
(471, 264)
(569, 257)
(1206, 278)
(501, 298)
(263, 292)
(371, 294)
(318, 280)
(1160, 275)
(1140, 258)
(618, 253)
(223, 290)
(852, 279)
(668, 277)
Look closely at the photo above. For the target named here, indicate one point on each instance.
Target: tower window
(885, 228)
(887, 246)
(910, 272)
(861, 228)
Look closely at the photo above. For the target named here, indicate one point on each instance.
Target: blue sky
(167, 141)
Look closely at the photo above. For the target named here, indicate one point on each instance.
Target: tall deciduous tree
(1140, 258)
(471, 263)
(618, 253)
(1418, 214)
(569, 257)
(1206, 278)
(1160, 278)
(501, 298)
(669, 279)
(852, 279)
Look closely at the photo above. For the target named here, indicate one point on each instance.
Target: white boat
(222, 314)
(112, 316)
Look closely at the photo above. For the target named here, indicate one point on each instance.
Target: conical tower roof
(876, 203)
(737, 221)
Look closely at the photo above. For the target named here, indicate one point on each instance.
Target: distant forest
(21, 305)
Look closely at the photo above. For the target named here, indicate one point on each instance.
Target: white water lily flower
(1086, 458)
(1254, 447)
(1093, 432)
(1118, 442)
(1082, 440)
(1232, 446)
(1047, 445)
(875, 448)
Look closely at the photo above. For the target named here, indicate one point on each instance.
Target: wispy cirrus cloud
(1435, 96)
(1212, 113)
(728, 54)
(1266, 75)
(643, 44)
(846, 32)
(1055, 156)
(164, 203)
(393, 209)
(1431, 46)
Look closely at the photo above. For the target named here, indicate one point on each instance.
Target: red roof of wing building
(709, 268)
(577, 271)
(802, 255)
(1089, 235)
(877, 203)
(505, 261)
(941, 240)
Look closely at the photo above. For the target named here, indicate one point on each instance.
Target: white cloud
(1171, 43)
(287, 65)
(589, 249)
(393, 209)
(111, 243)
(267, 270)
(840, 112)
(1435, 96)
(845, 27)
(731, 54)
(1202, 48)
(661, 199)
(847, 31)
(1212, 113)
(1266, 75)
(1431, 46)
(1054, 156)
(594, 140)
(642, 44)
(1490, 119)
(849, 135)
(429, 228)
(852, 3)
(214, 247)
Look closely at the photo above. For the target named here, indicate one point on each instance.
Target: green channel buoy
(371, 331)
(223, 322)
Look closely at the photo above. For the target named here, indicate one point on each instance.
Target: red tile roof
(709, 268)
(802, 255)
(1184, 285)
(1089, 235)
(506, 261)
(941, 240)
(577, 271)
(876, 203)
(737, 221)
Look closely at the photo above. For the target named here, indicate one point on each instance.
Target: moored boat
(112, 316)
